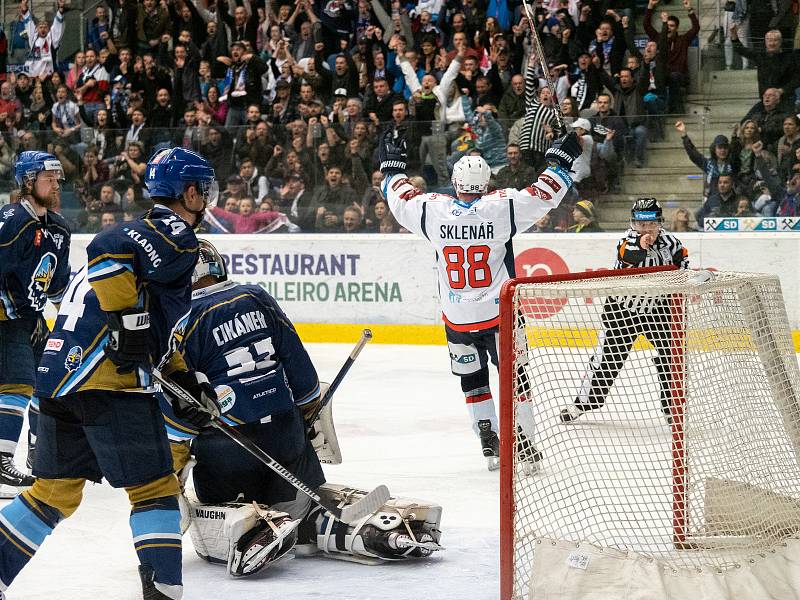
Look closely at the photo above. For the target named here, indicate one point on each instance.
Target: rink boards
(332, 286)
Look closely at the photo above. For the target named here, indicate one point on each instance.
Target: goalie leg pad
(323, 434)
(245, 537)
(403, 528)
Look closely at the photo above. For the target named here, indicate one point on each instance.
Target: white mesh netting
(688, 457)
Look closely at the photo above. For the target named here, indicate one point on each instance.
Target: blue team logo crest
(74, 358)
(40, 281)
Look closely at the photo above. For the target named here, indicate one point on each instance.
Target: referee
(625, 318)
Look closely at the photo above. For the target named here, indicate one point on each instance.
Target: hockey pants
(621, 328)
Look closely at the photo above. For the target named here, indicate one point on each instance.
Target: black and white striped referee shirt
(666, 250)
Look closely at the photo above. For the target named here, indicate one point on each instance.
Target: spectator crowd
(288, 97)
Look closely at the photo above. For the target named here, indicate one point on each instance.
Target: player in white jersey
(43, 40)
(472, 234)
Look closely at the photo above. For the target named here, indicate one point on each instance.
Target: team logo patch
(54, 344)
(539, 193)
(226, 397)
(74, 359)
(464, 359)
(551, 182)
(40, 281)
(400, 182)
(410, 194)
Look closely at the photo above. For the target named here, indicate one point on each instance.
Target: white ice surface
(402, 421)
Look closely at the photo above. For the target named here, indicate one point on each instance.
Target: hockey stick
(537, 49)
(349, 514)
(366, 336)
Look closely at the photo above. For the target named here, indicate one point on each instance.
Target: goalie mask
(471, 175)
(209, 263)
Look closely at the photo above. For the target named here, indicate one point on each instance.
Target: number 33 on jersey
(474, 255)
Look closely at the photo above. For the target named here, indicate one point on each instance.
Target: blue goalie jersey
(34, 260)
(147, 263)
(249, 350)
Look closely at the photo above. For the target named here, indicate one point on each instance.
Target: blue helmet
(32, 162)
(170, 170)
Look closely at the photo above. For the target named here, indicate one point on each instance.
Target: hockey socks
(156, 528)
(24, 525)
(12, 412)
(480, 405)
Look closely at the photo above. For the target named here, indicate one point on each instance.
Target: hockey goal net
(679, 461)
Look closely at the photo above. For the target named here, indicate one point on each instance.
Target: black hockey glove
(39, 336)
(392, 154)
(204, 409)
(564, 151)
(128, 344)
(309, 410)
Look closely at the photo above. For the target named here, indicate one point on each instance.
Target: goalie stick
(366, 336)
(351, 514)
(537, 49)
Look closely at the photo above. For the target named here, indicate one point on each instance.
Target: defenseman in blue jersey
(34, 267)
(99, 416)
(268, 389)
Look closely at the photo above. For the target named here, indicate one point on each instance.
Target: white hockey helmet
(471, 175)
(209, 262)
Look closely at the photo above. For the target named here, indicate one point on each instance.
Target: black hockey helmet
(647, 209)
(209, 262)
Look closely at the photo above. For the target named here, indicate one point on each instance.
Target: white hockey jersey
(42, 49)
(473, 247)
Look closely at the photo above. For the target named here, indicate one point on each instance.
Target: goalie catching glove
(206, 406)
(128, 344)
(392, 154)
(564, 151)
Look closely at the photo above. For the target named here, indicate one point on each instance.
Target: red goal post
(507, 433)
(712, 487)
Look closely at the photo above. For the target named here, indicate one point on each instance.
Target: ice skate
(570, 413)
(149, 589)
(490, 444)
(11, 478)
(528, 457)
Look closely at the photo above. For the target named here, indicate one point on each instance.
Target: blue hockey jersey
(34, 260)
(249, 350)
(143, 263)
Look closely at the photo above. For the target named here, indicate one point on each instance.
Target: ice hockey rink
(401, 421)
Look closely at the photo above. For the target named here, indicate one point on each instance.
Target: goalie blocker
(248, 538)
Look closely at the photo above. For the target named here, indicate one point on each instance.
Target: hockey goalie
(241, 513)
